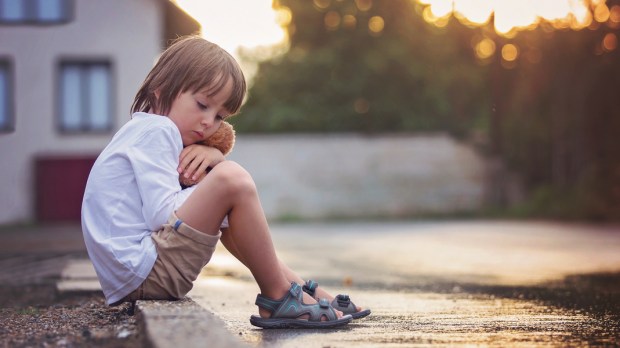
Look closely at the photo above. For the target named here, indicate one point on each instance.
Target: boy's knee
(234, 177)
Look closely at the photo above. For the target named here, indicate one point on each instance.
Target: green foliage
(404, 79)
(558, 122)
(554, 118)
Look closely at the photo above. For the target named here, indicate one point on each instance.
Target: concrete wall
(127, 33)
(314, 176)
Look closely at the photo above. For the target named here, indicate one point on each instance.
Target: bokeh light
(485, 48)
(610, 42)
(510, 52)
(511, 16)
(322, 4)
(349, 21)
(614, 14)
(363, 5)
(332, 20)
(376, 25)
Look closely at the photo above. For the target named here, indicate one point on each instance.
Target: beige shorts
(182, 252)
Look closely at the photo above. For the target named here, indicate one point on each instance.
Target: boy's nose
(207, 122)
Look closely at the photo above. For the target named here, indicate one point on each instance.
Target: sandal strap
(292, 306)
(341, 302)
(271, 304)
(310, 287)
(267, 303)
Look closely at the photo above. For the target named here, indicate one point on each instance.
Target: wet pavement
(517, 284)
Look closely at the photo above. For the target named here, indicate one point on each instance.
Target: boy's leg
(288, 273)
(229, 189)
(294, 277)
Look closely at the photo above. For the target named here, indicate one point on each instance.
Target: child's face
(197, 115)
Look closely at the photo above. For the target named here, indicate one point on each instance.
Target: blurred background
(357, 109)
(401, 139)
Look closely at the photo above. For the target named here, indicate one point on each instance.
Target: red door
(60, 183)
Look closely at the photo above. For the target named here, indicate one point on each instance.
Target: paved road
(441, 283)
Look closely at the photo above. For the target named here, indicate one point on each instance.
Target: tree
(369, 69)
(552, 115)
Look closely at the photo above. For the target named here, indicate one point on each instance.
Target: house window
(6, 97)
(85, 94)
(35, 11)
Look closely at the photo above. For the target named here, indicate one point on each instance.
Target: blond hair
(191, 63)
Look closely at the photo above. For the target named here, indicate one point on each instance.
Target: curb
(77, 277)
(182, 323)
(161, 324)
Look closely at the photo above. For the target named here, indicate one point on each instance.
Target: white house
(69, 70)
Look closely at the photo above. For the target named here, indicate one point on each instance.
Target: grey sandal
(341, 302)
(286, 311)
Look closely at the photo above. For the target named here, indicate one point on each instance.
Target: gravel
(36, 316)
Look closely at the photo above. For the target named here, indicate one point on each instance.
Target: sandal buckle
(310, 287)
(343, 300)
(295, 289)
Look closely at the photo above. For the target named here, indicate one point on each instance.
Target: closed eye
(201, 106)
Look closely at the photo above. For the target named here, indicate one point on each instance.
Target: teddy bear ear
(223, 139)
(229, 135)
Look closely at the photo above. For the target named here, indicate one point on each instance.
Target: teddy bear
(223, 139)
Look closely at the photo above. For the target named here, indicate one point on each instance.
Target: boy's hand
(194, 161)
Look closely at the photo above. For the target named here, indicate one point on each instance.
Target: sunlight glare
(510, 16)
(439, 8)
(474, 11)
(237, 23)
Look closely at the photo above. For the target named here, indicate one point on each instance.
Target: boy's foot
(306, 299)
(341, 302)
(290, 311)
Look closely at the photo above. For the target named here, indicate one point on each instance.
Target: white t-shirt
(131, 191)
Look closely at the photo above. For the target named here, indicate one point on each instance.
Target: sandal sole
(298, 323)
(360, 314)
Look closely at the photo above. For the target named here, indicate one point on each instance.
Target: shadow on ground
(597, 293)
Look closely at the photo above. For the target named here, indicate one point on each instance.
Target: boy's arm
(195, 160)
(154, 160)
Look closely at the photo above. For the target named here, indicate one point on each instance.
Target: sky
(236, 23)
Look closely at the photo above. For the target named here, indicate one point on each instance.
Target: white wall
(334, 176)
(128, 33)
